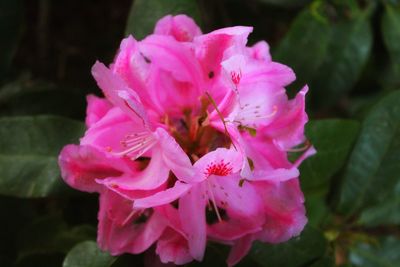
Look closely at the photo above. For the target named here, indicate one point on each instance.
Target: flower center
(221, 169)
(236, 76)
(136, 144)
(194, 136)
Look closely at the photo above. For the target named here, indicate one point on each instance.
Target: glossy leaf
(87, 254)
(383, 213)
(300, 251)
(384, 254)
(329, 53)
(373, 169)
(145, 13)
(305, 46)
(29, 148)
(349, 50)
(316, 207)
(333, 140)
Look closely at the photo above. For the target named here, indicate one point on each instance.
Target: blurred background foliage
(347, 51)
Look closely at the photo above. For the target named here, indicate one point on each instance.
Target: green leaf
(349, 50)
(300, 251)
(29, 148)
(51, 234)
(373, 169)
(328, 52)
(332, 139)
(316, 207)
(391, 33)
(305, 46)
(384, 254)
(28, 98)
(145, 13)
(87, 254)
(11, 14)
(384, 213)
(360, 105)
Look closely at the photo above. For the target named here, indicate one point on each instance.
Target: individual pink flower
(121, 229)
(220, 176)
(191, 145)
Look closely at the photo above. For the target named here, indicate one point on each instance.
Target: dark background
(348, 51)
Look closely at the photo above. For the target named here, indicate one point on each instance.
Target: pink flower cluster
(190, 145)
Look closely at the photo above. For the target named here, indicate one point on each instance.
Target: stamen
(221, 117)
(211, 195)
(306, 146)
(137, 143)
(130, 216)
(209, 205)
(133, 148)
(250, 114)
(132, 139)
(136, 134)
(236, 76)
(137, 110)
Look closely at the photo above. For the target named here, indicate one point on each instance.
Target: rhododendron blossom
(190, 145)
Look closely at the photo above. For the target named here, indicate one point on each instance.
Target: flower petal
(131, 139)
(268, 73)
(181, 27)
(155, 174)
(116, 231)
(288, 129)
(168, 54)
(240, 33)
(260, 51)
(173, 247)
(238, 197)
(264, 154)
(96, 109)
(117, 91)
(239, 250)
(163, 197)
(192, 214)
(175, 158)
(210, 50)
(82, 165)
(308, 153)
(284, 211)
(230, 158)
(151, 232)
(233, 229)
(275, 175)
